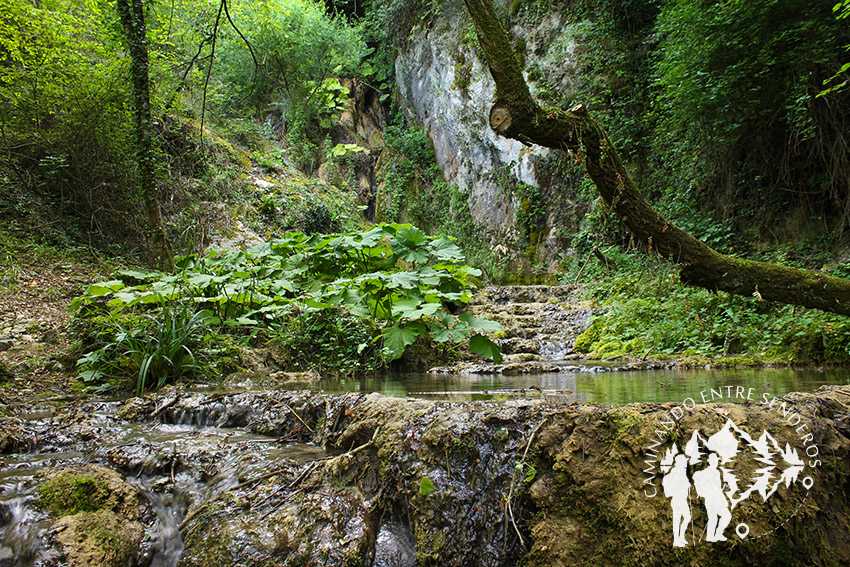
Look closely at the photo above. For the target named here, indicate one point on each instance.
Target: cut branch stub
(500, 118)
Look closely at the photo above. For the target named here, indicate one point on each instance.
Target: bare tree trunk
(515, 114)
(132, 17)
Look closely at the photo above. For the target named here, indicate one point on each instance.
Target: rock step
(539, 327)
(519, 308)
(525, 294)
(516, 345)
(509, 322)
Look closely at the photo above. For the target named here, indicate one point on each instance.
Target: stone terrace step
(539, 324)
(525, 294)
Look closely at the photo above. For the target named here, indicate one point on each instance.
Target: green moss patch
(73, 492)
(88, 489)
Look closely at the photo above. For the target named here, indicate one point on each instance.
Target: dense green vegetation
(715, 105)
(343, 303)
(644, 311)
(67, 125)
(413, 190)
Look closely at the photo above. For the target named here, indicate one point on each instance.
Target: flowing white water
(162, 461)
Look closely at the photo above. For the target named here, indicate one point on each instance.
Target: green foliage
(300, 52)
(66, 126)
(393, 278)
(413, 167)
(644, 308)
(842, 11)
(742, 75)
(529, 207)
(152, 347)
(526, 471)
(299, 203)
(711, 104)
(328, 341)
(68, 130)
(426, 487)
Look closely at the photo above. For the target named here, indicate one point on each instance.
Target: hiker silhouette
(708, 484)
(676, 487)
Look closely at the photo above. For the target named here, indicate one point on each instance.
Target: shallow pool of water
(591, 385)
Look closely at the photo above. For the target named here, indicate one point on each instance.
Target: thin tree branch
(209, 69)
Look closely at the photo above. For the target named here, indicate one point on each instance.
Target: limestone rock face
(448, 90)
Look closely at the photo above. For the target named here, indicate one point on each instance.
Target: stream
(172, 464)
(183, 456)
(589, 383)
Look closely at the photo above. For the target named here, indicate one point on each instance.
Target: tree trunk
(132, 17)
(515, 114)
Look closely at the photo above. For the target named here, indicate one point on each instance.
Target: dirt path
(36, 286)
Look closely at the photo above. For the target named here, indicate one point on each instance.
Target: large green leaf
(414, 308)
(406, 280)
(426, 487)
(104, 288)
(480, 344)
(479, 323)
(396, 337)
(446, 249)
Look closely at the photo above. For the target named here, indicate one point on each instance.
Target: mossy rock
(72, 493)
(98, 516)
(99, 539)
(584, 342)
(89, 488)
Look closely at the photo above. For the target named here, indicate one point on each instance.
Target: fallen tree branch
(509, 511)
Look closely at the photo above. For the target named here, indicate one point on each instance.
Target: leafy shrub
(643, 308)
(743, 75)
(327, 341)
(158, 347)
(393, 279)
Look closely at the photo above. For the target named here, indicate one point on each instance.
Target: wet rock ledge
(395, 482)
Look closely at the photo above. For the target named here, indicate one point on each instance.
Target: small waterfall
(164, 544)
(539, 323)
(22, 525)
(22, 534)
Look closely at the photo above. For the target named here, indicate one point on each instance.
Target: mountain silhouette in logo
(760, 465)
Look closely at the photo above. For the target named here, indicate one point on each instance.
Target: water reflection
(591, 385)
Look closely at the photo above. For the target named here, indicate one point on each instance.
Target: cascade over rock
(296, 478)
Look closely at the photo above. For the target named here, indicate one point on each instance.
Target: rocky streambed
(300, 478)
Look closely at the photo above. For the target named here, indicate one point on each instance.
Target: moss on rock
(584, 342)
(88, 489)
(98, 516)
(99, 539)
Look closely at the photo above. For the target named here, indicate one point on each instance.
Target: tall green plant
(394, 277)
(157, 348)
